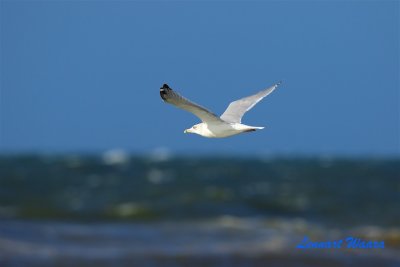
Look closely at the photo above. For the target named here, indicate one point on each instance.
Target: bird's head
(194, 129)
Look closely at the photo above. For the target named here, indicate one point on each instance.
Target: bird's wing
(238, 108)
(172, 97)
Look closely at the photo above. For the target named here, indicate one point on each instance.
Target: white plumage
(213, 126)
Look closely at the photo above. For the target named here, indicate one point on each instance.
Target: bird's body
(212, 126)
(220, 130)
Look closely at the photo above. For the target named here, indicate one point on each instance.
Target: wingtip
(163, 91)
(278, 83)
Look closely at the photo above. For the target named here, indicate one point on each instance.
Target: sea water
(143, 211)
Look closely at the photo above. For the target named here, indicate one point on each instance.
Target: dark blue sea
(119, 210)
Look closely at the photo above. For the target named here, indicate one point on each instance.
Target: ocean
(89, 210)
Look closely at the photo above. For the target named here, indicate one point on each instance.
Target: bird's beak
(186, 131)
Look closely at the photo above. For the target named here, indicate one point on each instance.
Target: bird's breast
(219, 130)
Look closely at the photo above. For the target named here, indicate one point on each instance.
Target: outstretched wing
(172, 97)
(238, 108)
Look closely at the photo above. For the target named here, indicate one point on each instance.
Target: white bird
(212, 126)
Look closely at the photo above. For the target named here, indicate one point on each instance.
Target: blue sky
(83, 76)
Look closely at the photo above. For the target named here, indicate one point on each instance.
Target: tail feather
(253, 129)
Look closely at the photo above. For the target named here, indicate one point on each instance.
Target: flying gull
(212, 126)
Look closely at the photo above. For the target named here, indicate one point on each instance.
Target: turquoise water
(349, 192)
(144, 211)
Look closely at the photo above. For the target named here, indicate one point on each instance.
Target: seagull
(212, 126)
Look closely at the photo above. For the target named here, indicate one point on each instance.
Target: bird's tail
(253, 128)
